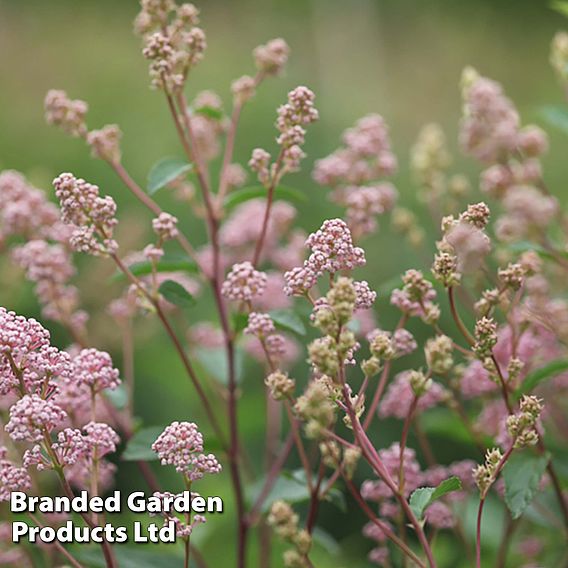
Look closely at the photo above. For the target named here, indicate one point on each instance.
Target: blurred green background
(401, 58)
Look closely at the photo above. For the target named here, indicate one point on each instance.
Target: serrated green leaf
(176, 294)
(522, 474)
(447, 486)
(210, 112)
(246, 194)
(556, 116)
(422, 497)
(214, 363)
(139, 447)
(168, 263)
(288, 320)
(550, 370)
(166, 171)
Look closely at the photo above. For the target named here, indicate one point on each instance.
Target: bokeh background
(401, 58)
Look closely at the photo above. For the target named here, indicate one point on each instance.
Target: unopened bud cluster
(285, 523)
(522, 425)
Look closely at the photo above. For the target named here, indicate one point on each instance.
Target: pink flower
(206, 335)
(165, 226)
(399, 396)
(32, 417)
(181, 445)
(365, 203)
(272, 57)
(93, 217)
(12, 477)
(260, 325)
(244, 282)
(440, 516)
(101, 438)
(332, 248)
(365, 296)
(490, 127)
(94, 368)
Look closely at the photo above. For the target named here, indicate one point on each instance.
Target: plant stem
(461, 326)
(478, 534)
(267, 210)
(384, 528)
(374, 460)
(178, 346)
(192, 151)
(403, 440)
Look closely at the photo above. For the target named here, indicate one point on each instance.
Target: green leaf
(288, 320)
(522, 474)
(128, 557)
(337, 498)
(166, 171)
(214, 363)
(442, 423)
(326, 541)
(424, 496)
(168, 263)
(547, 372)
(176, 294)
(284, 488)
(292, 487)
(210, 112)
(560, 7)
(139, 447)
(246, 194)
(118, 396)
(556, 116)
(447, 486)
(524, 246)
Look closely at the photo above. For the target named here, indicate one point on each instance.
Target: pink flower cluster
(416, 297)
(25, 210)
(292, 117)
(439, 514)
(332, 250)
(181, 445)
(91, 216)
(272, 57)
(28, 364)
(274, 345)
(76, 449)
(367, 156)
(244, 282)
(165, 226)
(491, 132)
(94, 368)
(183, 528)
(32, 418)
(12, 477)
(399, 396)
(50, 267)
